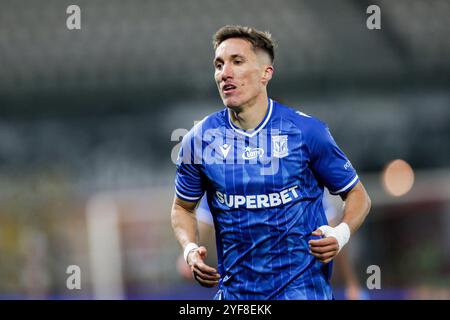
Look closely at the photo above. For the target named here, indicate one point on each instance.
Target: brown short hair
(259, 39)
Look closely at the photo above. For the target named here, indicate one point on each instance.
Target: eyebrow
(233, 56)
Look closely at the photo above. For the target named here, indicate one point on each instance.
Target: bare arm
(206, 235)
(357, 206)
(184, 225)
(184, 222)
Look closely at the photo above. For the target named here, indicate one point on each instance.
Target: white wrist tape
(341, 233)
(189, 247)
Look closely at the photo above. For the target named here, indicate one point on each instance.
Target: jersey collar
(258, 128)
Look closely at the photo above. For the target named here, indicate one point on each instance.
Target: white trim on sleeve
(347, 186)
(186, 197)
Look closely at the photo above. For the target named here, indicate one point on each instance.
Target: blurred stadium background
(87, 117)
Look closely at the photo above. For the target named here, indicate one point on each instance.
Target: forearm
(357, 206)
(184, 224)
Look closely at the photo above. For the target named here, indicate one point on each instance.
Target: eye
(218, 65)
(238, 62)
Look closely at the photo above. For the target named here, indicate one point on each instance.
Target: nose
(227, 71)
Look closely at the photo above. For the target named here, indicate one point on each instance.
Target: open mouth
(228, 88)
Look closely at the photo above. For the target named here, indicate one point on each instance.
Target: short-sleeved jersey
(265, 189)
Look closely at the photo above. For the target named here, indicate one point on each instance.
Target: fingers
(326, 260)
(201, 270)
(204, 268)
(325, 257)
(204, 274)
(195, 259)
(204, 282)
(323, 242)
(324, 249)
(318, 250)
(317, 232)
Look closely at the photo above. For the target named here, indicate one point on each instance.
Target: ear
(267, 74)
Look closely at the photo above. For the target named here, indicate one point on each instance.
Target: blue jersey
(265, 188)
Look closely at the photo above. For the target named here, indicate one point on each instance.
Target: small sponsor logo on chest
(252, 153)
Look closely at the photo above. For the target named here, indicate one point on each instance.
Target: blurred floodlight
(398, 178)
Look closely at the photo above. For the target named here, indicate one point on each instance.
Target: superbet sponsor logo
(258, 201)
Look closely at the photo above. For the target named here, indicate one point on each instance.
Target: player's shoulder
(301, 120)
(215, 119)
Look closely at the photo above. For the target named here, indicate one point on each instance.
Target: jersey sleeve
(189, 184)
(328, 162)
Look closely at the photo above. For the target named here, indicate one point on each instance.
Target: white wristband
(189, 247)
(341, 233)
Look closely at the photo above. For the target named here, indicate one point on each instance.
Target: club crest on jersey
(252, 153)
(280, 146)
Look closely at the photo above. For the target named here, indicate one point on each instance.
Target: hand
(324, 249)
(205, 275)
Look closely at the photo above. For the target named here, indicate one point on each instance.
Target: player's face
(240, 72)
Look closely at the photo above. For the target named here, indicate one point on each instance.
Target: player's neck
(249, 116)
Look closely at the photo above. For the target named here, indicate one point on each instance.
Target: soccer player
(264, 167)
